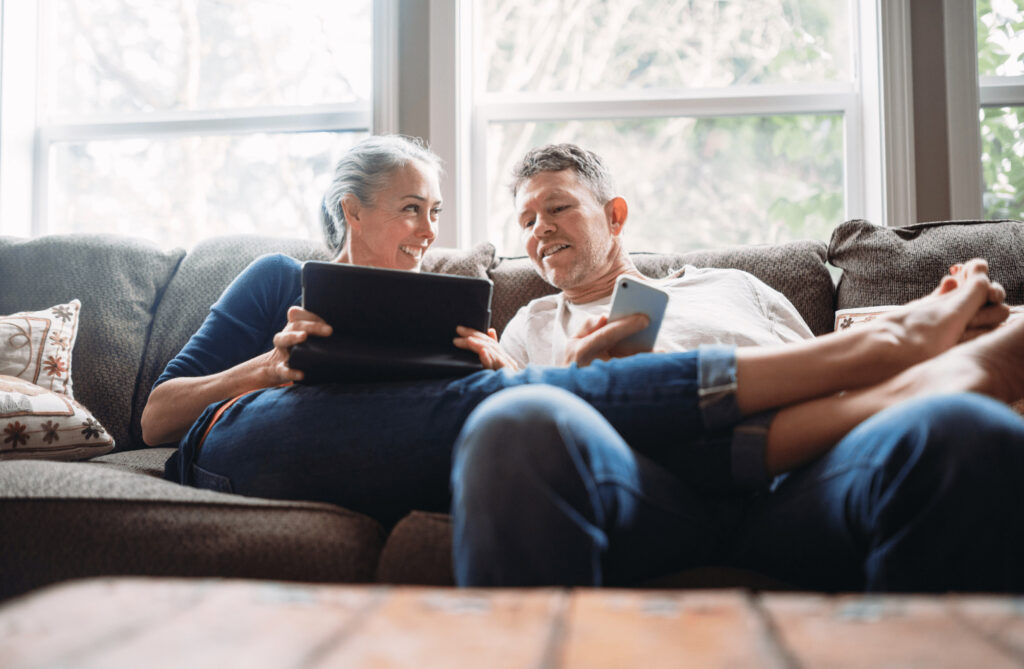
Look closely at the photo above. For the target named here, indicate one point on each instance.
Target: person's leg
(992, 365)
(924, 496)
(545, 492)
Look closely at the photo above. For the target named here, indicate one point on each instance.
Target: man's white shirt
(705, 306)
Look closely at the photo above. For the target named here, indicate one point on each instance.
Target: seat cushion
(64, 520)
(895, 265)
(418, 551)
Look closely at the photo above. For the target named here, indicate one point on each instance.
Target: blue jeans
(924, 497)
(384, 449)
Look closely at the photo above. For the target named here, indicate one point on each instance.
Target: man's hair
(557, 157)
(364, 171)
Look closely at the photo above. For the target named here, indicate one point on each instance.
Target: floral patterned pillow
(36, 346)
(43, 424)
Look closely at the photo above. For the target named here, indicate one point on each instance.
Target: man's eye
(529, 223)
(559, 208)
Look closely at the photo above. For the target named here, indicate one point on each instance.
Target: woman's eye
(436, 212)
(414, 208)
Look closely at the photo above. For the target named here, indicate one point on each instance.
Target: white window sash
(26, 139)
(879, 175)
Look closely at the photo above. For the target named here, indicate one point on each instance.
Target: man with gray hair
(572, 224)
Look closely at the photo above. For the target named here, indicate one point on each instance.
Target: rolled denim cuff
(716, 381)
(716, 386)
(749, 439)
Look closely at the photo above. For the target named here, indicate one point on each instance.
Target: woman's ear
(352, 207)
(617, 211)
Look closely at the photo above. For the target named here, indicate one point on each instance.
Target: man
(546, 492)
(572, 225)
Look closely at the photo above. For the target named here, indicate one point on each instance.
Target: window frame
(876, 107)
(26, 137)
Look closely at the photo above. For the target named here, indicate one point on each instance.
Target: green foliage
(1001, 52)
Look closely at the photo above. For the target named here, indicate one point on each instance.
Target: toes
(974, 267)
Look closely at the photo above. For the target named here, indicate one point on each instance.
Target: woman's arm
(175, 404)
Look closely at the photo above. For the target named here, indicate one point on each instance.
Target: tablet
(389, 324)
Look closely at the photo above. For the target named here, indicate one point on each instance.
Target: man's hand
(492, 355)
(597, 339)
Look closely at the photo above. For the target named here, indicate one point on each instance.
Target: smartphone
(632, 296)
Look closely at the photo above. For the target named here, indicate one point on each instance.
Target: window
(1000, 25)
(723, 122)
(186, 119)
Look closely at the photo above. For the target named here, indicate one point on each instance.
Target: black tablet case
(389, 325)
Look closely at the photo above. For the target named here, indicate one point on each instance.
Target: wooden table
(136, 622)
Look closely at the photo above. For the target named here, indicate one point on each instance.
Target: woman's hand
(597, 339)
(301, 324)
(492, 355)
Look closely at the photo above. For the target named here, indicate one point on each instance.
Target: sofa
(81, 513)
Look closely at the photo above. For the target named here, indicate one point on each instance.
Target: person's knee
(958, 440)
(514, 437)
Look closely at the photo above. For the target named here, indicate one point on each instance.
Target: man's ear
(617, 212)
(352, 207)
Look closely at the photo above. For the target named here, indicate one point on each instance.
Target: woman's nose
(427, 226)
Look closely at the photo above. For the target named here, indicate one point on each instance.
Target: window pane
(1001, 37)
(1002, 162)
(176, 191)
(137, 55)
(695, 183)
(587, 45)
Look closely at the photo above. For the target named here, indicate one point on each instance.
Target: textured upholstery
(796, 269)
(119, 281)
(895, 265)
(66, 520)
(418, 551)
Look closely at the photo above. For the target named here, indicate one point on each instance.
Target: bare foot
(992, 364)
(965, 304)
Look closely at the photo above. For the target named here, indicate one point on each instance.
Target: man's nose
(542, 226)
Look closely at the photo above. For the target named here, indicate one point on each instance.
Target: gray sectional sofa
(115, 515)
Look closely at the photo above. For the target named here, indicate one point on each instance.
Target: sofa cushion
(118, 280)
(895, 265)
(418, 551)
(37, 423)
(36, 346)
(64, 520)
(796, 269)
(208, 269)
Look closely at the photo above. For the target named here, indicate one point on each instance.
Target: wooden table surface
(137, 622)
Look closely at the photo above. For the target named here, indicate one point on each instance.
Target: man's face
(567, 232)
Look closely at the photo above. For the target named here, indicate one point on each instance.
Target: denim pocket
(210, 481)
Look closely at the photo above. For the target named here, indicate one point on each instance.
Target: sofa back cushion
(795, 269)
(118, 280)
(895, 265)
(208, 269)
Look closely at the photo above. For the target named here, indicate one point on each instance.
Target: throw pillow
(40, 423)
(848, 318)
(36, 346)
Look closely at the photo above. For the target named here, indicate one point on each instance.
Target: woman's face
(400, 225)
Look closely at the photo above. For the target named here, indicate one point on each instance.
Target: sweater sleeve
(243, 321)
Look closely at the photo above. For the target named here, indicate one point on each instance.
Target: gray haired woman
(381, 210)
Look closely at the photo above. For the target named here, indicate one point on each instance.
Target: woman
(383, 449)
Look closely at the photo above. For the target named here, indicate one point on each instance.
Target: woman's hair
(364, 171)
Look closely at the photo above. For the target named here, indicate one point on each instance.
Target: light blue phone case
(631, 297)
